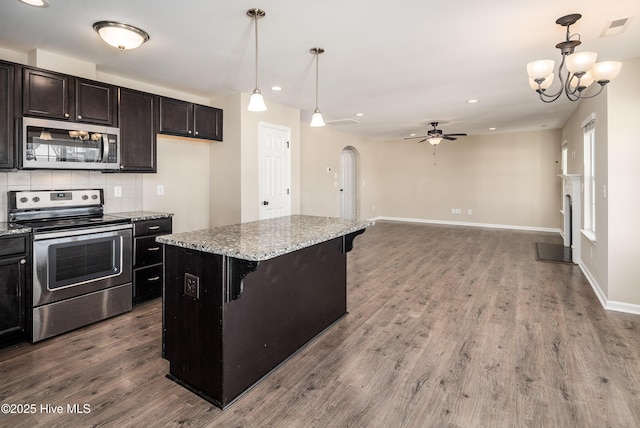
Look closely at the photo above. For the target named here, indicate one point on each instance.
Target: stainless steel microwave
(52, 144)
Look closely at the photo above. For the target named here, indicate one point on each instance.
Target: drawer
(159, 226)
(147, 283)
(13, 245)
(146, 252)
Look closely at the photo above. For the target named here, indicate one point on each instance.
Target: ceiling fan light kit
(256, 102)
(435, 136)
(577, 71)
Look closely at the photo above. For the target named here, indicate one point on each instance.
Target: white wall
(624, 184)
(183, 172)
(505, 179)
(321, 148)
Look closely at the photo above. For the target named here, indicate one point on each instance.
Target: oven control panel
(41, 199)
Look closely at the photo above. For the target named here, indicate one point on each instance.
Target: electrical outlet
(160, 189)
(469, 211)
(117, 191)
(191, 286)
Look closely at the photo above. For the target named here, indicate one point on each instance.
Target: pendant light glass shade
(316, 119)
(119, 35)
(256, 102)
(434, 141)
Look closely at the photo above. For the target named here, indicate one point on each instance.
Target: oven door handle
(80, 231)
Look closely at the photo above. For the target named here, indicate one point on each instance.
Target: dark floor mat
(555, 253)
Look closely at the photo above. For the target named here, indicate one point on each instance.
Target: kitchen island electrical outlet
(117, 191)
(191, 286)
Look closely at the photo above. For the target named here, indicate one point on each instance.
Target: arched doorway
(349, 183)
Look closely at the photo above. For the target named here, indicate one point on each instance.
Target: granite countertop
(265, 239)
(11, 229)
(141, 215)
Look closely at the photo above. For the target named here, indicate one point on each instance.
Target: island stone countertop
(7, 229)
(265, 239)
(141, 215)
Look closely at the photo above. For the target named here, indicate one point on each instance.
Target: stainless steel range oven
(81, 258)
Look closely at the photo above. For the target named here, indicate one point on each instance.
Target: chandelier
(577, 71)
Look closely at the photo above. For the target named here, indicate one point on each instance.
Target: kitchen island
(241, 299)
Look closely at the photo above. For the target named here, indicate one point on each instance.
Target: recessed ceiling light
(472, 101)
(412, 135)
(492, 129)
(359, 114)
(36, 3)
(276, 88)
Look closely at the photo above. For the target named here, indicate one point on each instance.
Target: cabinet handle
(153, 248)
(154, 227)
(155, 278)
(79, 117)
(66, 115)
(23, 261)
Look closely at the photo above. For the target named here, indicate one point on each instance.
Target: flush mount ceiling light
(119, 35)
(316, 119)
(581, 68)
(256, 102)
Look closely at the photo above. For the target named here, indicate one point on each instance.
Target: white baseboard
(470, 224)
(611, 305)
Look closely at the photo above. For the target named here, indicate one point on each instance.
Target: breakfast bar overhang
(241, 299)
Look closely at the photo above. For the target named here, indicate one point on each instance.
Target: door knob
(265, 202)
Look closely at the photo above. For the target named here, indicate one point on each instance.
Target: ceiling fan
(435, 135)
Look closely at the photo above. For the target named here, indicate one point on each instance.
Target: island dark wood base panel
(236, 331)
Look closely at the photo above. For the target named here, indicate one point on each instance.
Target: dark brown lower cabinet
(13, 289)
(147, 258)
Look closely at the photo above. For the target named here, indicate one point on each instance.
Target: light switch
(160, 189)
(117, 191)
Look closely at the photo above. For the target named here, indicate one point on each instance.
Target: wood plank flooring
(447, 327)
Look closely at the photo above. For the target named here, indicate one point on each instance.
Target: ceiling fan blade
(457, 135)
(422, 140)
(412, 138)
(447, 137)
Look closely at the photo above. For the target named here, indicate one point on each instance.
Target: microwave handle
(105, 148)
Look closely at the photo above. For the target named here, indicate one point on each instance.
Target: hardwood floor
(447, 327)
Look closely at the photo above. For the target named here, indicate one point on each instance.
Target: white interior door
(348, 187)
(274, 171)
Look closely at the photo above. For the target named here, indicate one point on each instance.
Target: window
(565, 151)
(589, 176)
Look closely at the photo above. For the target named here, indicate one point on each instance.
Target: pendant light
(316, 119)
(256, 102)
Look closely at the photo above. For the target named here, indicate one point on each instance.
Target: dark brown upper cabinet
(190, 120)
(138, 118)
(63, 97)
(6, 115)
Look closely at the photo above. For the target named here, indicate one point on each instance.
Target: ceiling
(402, 64)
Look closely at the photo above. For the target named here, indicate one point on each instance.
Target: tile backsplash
(130, 184)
